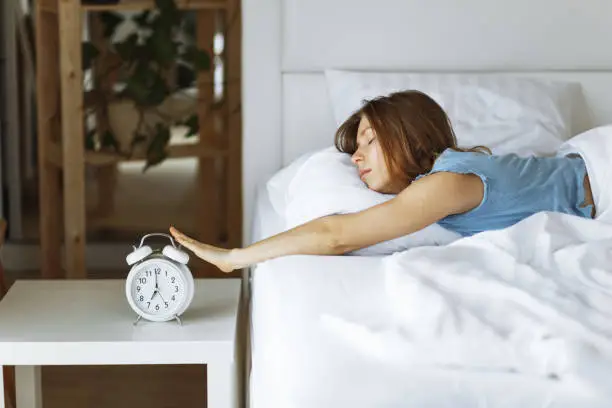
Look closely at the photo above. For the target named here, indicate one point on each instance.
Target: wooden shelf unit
(62, 156)
(138, 5)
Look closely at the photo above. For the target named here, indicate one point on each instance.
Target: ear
(138, 254)
(175, 254)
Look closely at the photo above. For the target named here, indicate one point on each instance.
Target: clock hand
(159, 293)
(156, 289)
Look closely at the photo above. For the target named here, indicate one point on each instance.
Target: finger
(176, 233)
(184, 240)
(179, 236)
(189, 244)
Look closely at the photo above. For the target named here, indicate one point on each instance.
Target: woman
(404, 144)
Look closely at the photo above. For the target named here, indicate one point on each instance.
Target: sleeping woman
(404, 144)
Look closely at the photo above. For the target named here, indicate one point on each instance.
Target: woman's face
(370, 160)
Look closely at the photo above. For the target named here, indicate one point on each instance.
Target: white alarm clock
(159, 286)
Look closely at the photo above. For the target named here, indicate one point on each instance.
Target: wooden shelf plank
(71, 82)
(105, 159)
(208, 228)
(132, 5)
(48, 5)
(49, 129)
(234, 119)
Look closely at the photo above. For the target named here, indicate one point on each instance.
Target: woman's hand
(219, 257)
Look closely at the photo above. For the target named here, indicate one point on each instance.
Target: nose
(356, 157)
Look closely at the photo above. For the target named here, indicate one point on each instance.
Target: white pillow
(278, 185)
(326, 182)
(508, 114)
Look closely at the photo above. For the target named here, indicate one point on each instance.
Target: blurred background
(159, 130)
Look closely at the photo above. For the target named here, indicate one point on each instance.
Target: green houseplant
(149, 76)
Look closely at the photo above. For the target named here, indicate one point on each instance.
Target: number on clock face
(157, 289)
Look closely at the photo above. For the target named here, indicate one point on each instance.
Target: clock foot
(178, 319)
(137, 320)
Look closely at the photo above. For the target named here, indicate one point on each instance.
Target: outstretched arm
(424, 202)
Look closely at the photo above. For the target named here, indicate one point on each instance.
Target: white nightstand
(89, 322)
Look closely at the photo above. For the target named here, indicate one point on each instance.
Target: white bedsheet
(535, 298)
(303, 307)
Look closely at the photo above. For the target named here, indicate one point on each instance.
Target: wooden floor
(153, 386)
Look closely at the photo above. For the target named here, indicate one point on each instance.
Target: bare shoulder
(455, 192)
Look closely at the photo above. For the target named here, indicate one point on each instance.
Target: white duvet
(534, 298)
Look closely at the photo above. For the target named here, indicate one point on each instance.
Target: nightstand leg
(28, 384)
(2, 405)
(222, 387)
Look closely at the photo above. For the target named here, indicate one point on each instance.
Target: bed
(300, 355)
(319, 326)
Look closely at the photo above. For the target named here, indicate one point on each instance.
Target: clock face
(157, 288)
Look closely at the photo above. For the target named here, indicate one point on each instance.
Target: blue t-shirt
(514, 188)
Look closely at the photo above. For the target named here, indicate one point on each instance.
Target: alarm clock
(159, 286)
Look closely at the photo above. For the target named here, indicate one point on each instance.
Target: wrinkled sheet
(531, 298)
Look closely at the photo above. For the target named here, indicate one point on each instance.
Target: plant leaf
(193, 124)
(146, 87)
(184, 76)
(109, 140)
(142, 19)
(110, 20)
(156, 151)
(154, 159)
(169, 11)
(201, 60)
(90, 140)
(189, 25)
(127, 48)
(160, 139)
(198, 58)
(163, 47)
(142, 53)
(165, 5)
(137, 89)
(90, 52)
(158, 92)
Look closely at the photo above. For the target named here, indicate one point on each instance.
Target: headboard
(288, 43)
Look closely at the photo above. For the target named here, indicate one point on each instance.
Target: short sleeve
(459, 162)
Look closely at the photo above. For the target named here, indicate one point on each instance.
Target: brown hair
(412, 130)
